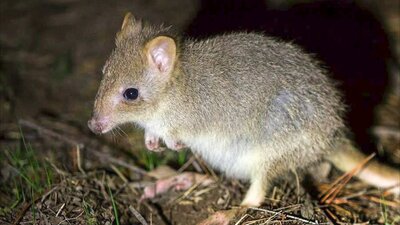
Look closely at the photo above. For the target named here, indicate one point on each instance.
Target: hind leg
(256, 193)
(254, 198)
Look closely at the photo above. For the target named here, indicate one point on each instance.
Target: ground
(55, 171)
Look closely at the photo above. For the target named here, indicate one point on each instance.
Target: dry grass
(110, 191)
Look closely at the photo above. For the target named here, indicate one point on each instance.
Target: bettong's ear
(129, 26)
(161, 54)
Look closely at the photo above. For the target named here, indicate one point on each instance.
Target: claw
(175, 145)
(151, 141)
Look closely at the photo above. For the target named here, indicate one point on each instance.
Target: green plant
(384, 212)
(90, 216)
(29, 177)
(151, 159)
(115, 209)
(182, 156)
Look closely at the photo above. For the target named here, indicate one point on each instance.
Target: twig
(354, 195)
(297, 184)
(110, 159)
(123, 178)
(272, 217)
(205, 167)
(185, 194)
(383, 201)
(45, 195)
(257, 221)
(386, 131)
(59, 210)
(73, 218)
(342, 211)
(75, 143)
(137, 215)
(116, 170)
(78, 159)
(241, 219)
(187, 164)
(48, 132)
(329, 217)
(339, 183)
(289, 207)
(27, 206)
(284, 214)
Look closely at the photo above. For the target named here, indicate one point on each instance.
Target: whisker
(123, 131)
(116, 132)
(113, 136)
(120, 132)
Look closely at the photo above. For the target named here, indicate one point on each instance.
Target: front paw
(175, 145)
(152, 142)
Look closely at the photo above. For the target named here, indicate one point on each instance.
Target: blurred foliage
(27, 176)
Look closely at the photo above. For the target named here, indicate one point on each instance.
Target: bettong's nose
(98, 125)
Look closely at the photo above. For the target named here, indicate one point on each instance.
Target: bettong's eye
(131, 94)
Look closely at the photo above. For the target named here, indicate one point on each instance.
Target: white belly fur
(236, 160)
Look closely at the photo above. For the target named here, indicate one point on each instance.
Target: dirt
(55, 171)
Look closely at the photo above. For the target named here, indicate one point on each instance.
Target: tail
(348, 157)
